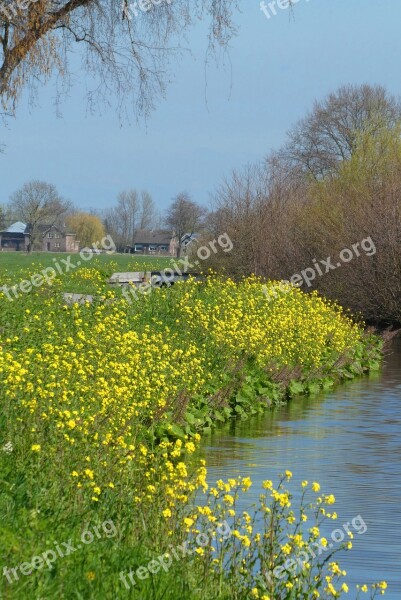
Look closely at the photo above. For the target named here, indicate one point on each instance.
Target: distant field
(76, 274)
(13, 261)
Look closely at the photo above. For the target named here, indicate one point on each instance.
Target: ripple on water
(349, 441)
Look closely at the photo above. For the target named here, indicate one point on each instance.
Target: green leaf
(313, 387)
(295, 388)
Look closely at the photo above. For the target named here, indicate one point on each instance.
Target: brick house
(54, 238)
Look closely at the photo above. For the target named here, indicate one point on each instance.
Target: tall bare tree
(134, 210)
(184, 217)
(126, 46)
(38, 203)
(2, 217)
(148, 216)
(122, 220)
(329, 133)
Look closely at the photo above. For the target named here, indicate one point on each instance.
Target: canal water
(350, 442)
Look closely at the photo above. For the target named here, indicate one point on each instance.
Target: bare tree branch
(125, 51)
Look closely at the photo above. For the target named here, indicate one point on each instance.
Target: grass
(14, 261)
(15, 265)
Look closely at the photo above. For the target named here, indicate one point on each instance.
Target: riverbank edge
(251, 389)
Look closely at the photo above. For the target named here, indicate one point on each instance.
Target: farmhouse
(50, 238)
(155, 241)
(54, 238)
(13, 238)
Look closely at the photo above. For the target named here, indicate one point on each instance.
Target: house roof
(155, 236)
(43, 229)
(17, 227)
(187, 238)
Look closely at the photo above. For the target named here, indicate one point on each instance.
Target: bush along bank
(101, 412)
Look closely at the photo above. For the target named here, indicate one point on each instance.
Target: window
(57, 244)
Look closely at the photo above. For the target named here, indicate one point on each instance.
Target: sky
(213, 120)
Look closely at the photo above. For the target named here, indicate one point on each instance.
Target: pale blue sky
(278, 67)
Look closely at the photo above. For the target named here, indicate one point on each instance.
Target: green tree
(89, 228)
(329, 134)
(184, 217)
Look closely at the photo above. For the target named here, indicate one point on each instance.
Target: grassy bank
(102, 409)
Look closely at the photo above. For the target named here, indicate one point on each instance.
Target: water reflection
(349, 441)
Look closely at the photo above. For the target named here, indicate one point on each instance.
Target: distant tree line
(137, 211)
(38, 204)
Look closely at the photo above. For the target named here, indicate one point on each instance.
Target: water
(350, 442)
